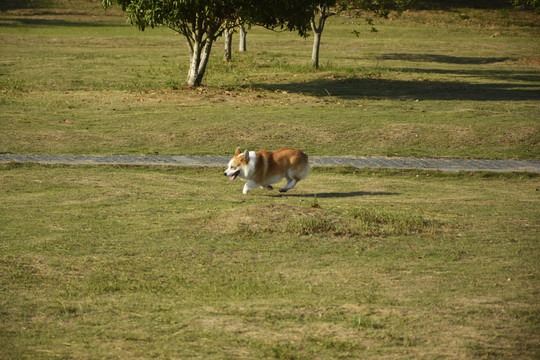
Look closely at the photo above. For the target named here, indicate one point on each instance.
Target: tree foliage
(202, 21)
(323, 9)
(523, 4)
(381, 7)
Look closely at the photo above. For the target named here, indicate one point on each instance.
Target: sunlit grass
(156, 262)
(425, 84)
(176, 262)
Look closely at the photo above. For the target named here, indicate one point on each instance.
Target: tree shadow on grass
(21, 21)
(446, 59)
(507, 75)
(508, 84)
(337, 194)
(373, 88)
(17, 4)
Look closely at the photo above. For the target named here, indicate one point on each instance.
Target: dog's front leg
(249, 185)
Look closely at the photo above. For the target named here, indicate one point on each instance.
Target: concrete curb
(442, 164)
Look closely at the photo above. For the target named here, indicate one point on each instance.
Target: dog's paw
(283, 190)
(269, 187)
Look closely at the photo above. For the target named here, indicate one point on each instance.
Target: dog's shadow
(338, 194)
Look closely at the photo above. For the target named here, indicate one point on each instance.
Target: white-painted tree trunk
(200, 54)
(194, 62)
(227, 51)
(204, 61)
(242, 44)
(318, 27)
(315, 51)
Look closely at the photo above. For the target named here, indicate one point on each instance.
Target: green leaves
(523, 4)
(202, 21)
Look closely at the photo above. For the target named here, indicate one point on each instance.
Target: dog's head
(238, 165)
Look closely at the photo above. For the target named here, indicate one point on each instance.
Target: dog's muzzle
(233, 176)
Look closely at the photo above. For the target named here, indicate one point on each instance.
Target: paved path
(443, 164)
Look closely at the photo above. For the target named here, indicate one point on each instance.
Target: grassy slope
(171, 263)
(427, 84)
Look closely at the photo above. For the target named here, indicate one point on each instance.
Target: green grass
(426, 84)
(134, 262)
(113, 262)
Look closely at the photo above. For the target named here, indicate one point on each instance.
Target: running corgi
(263, 168)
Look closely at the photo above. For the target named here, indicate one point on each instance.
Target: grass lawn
(134, 262)
(113, 262)
(458, 84)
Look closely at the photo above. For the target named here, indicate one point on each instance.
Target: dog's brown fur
(263, 168)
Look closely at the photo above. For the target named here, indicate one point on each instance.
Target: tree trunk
(315, 51)
(194, 62)
(200, 53)
(317, 32)
(242, 45)
(204, 60)
(227, 35)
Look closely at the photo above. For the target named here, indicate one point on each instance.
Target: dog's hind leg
(290, 184)
(293, 177)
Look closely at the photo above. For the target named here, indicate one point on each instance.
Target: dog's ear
(246, 156)
(238, 151)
